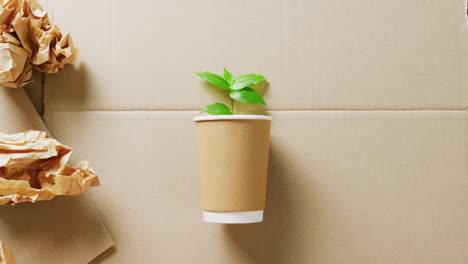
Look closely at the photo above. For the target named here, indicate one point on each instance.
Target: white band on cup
(233, 217)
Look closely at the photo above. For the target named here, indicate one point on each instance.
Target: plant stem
(232, 106)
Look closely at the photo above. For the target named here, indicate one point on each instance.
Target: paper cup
(233, 153)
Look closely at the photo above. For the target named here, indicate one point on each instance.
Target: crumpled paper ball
(34, 168)
(28, 40)
(6, 257)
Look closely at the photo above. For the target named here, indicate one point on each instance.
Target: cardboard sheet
(344, 187)
(64, 230)
(384, 183)
(318, 54)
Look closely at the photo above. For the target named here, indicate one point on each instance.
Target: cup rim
(231, 117)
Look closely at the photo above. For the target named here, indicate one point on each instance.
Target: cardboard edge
(111, 242)
(464, 58)
(104, 255)
(20, 98)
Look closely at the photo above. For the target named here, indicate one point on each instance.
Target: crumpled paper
(6, 257)
(28, 40)
(34, 168)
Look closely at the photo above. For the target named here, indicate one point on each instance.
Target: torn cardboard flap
(27, 39)
(63, 230)
(6, 256)
(34, 167)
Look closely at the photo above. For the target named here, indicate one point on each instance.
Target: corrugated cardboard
(64, 230)
(344, 187)
(383, 179)
(233, 158)
(316, 54)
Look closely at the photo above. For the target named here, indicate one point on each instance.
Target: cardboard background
(317, 54)
(369, 150)
(344, 187)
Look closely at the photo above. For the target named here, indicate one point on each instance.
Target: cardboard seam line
(463, 108)
(50, 6)
(271, 111)
(42, 94)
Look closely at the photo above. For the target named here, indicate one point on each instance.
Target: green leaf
(217, 109)
(214, 79)
(246, 80)
(247, 95)
(228, 77)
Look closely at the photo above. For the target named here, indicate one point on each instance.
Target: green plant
(239, 89)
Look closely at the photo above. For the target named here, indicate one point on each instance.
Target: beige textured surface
(34, 90)
(54, 232)
(345, 187)
(381, 186)
(317, 54)
(464, 58)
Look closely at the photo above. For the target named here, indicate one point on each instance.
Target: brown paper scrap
(6, 257)
(34, 167)
(28, 40)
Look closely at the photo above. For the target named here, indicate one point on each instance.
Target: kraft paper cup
(233, 154)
